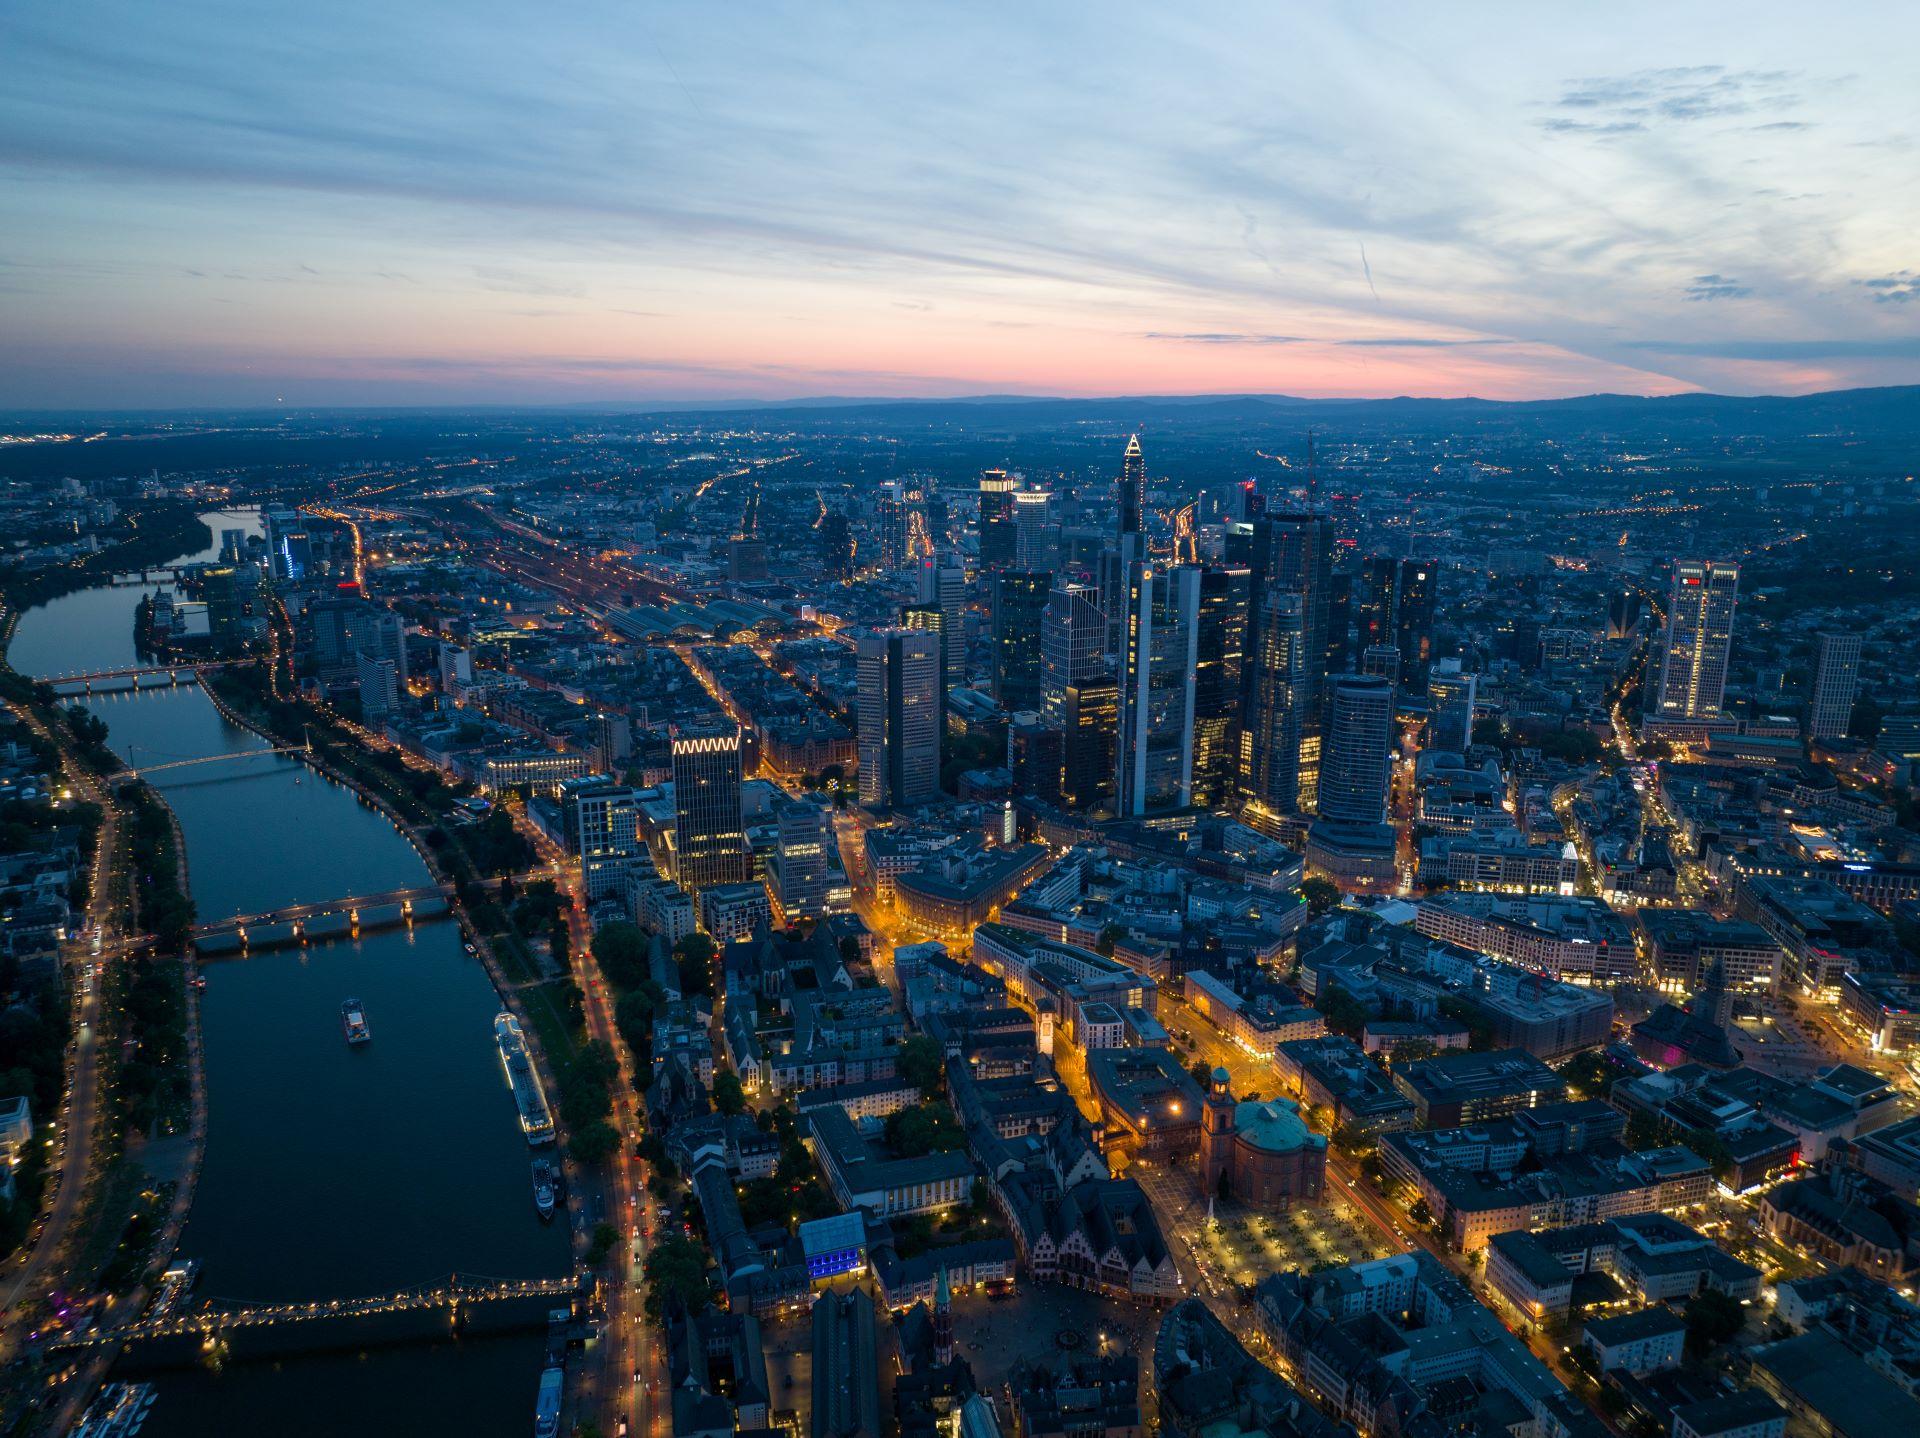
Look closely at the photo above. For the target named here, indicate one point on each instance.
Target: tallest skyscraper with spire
(1133, 487)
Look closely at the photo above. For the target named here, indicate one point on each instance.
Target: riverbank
(558, 1059)
(160, 535)
(329, 1171)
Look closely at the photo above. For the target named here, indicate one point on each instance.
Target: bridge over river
(216, 1329)
(134, 677)
(328, 919)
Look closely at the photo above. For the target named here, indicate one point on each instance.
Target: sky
(461, 201)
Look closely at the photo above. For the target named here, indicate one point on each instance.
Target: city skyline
(369, 208)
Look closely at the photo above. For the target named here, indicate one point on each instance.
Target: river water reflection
(329, 1171)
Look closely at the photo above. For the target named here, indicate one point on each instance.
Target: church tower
(942, 1319)
(1216, 1132)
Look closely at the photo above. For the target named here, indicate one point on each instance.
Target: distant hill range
(1860, 431)
(1890, 404)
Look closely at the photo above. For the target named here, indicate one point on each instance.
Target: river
(329, 1172)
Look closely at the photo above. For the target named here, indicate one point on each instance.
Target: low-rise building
(1644, 1341)
(1456, 1088)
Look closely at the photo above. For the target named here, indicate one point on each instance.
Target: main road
(80, 1109)
(634, 1369)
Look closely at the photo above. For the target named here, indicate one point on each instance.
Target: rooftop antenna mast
(1313, 475)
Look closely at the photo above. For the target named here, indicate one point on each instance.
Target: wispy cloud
(840, 201)
(1786, 351)
(1716, 287)
(1221, 337)
(1899, 288)
(1677, 94)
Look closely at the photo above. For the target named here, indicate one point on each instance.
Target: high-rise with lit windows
(1836, 675)
(709, 838)
(997, 538)
(899, 677)
(1019, 609)
(1133, 487)
(1073, 646)
(1154, 768)
(1219, 680)
(1693, 669)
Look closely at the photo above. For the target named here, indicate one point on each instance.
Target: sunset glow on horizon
(359, 204)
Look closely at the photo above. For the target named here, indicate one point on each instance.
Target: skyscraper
(710, 841)
(1019, 606)
(931, 619)
(799, 869)
(1291, 553)
(379, 681)
(1154, 767)
(836, 545)
(997, 538)
(383, 634)
(1836, 675)
(1693, 671)
(1034, 545)
(1275, 709)
(1450, 700)
(1090, 723)
(1073, 635)
(1117, 559)
(1354, 776)
(1413, 620)
(943, 585)
(1133, 487)
(606, 831)
(903, 526)
(1339, 622)
(1399, 610)
(612, 741)
(1381, 660)
(1219, 681)
(899, 675)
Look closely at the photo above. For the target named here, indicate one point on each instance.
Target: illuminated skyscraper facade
(1034, 544)
(1287, 554)
(998, 539)
(1073, 647)
(1219, 682)
(710, 841)
(899, 678)
(1154, 768)
(1354, 776)
(1133, 487)
(1693, 670)
(943, 586)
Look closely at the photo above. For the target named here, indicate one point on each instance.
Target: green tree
(676, 1274)
(1711, 1318)
(728, 1094)
(1710, 1146)
(1109, 939)
(695, 954)
(605, 1235)
(922, 1062)
(923, 1129)
(1479, 1029)
(593, 1143)
(1343, 1012)
(621, 952)
(1321, 894)
(1589, 1075)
